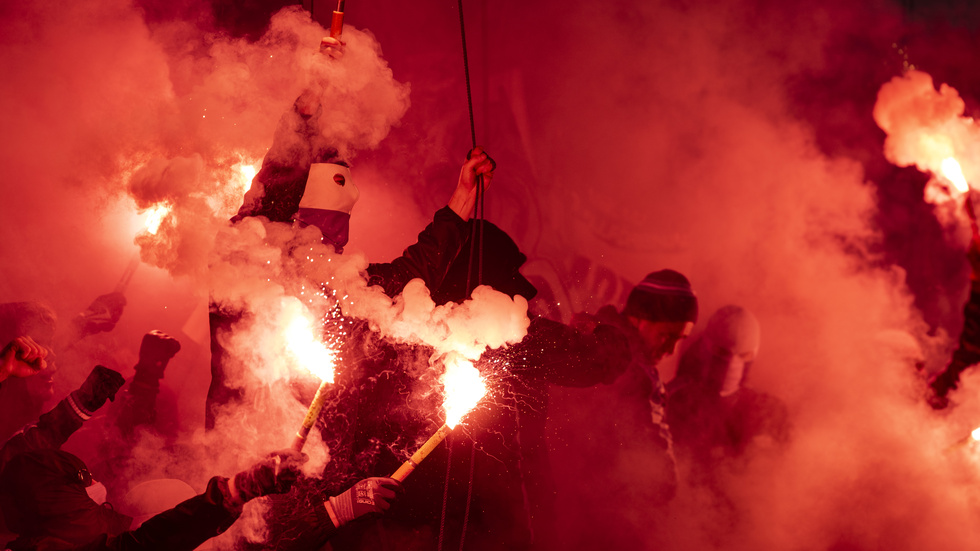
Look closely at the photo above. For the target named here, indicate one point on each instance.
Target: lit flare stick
(407, 467)
(952, 172)
(128, 274)
(312, 415)
(320, 361)
(464, 388)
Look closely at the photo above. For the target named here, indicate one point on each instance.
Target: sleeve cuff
(327, 513)
(76, 407)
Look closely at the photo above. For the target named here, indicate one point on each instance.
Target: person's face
(660, 338)
(726, 368)
(41, 386)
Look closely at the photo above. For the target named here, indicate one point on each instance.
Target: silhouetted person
(51, 501)
(617, 472)
(134, 415)
(501, 492)
(713, 414)
(967, 353)
(52, 430)
(22, 399)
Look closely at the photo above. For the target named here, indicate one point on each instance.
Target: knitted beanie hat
(665, 295)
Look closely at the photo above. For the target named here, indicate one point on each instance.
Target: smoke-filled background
(732, 141)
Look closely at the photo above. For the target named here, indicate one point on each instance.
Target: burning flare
(463, 387)
(156, 216)
(302, 343)
(925, 127)
(951, 170)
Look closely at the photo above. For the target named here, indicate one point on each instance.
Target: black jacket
(184, 527)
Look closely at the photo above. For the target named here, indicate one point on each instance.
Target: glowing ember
(155, 218)
(951, 171)
(464, 388)
(976, 434)
(308, 349)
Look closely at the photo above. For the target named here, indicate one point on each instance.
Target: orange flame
(155, 218)
(463, 387)
(951, 170)
(310, 351)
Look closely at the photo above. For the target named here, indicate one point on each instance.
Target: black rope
(477, 233)
(469, 496)
(445, 493)
(466, 71)
(476, 253)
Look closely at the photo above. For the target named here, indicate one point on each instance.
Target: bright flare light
(976, 434)
(301, 340)
(309, 350)
(247, 172)
(155, 218)
(464, 388)
(951, 171)
(925, 127)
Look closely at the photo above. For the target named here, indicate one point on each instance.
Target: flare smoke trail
(731, 141)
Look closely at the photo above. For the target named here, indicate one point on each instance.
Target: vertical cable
(466, 71)
(445, 493)
(476, 253)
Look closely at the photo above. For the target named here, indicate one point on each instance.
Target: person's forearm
(51, 431)
(463, 202)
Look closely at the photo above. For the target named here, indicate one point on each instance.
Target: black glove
(371, 495)
(156, 350)
(100, 385)
(101, 315)
(275, 474)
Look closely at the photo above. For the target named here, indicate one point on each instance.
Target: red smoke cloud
(728, 141)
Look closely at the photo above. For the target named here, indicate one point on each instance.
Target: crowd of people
(488, 487)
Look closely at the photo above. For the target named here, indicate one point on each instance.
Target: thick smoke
(925, 126)
(273, 273)
(734, 142)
